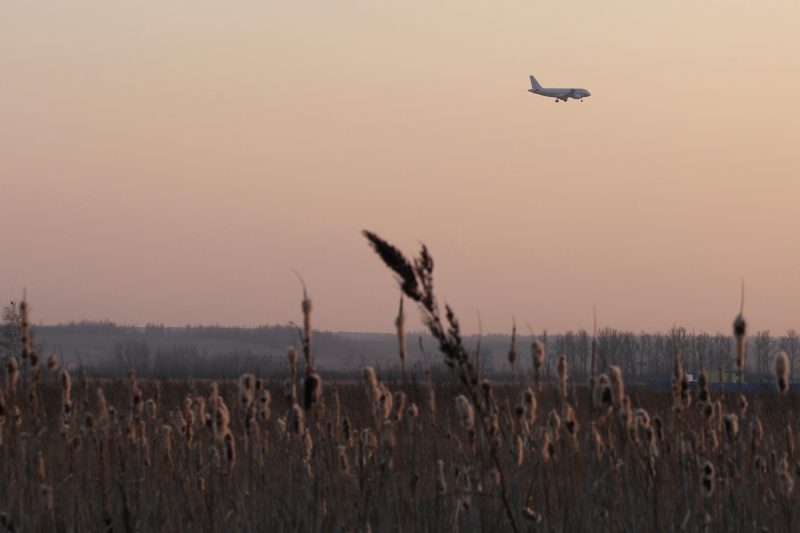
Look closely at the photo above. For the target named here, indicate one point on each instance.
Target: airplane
(558, 94)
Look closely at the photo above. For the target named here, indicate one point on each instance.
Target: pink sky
(172, 162)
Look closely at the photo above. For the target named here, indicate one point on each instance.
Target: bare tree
(11, 331)
(762, 344)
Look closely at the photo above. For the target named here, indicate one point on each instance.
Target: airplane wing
(566, 95)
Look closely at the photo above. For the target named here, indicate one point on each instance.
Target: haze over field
(172, 163)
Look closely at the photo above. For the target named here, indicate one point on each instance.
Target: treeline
(156, 350)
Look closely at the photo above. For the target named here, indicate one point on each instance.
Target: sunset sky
(174, 161)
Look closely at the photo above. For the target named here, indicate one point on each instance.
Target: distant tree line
(156, 350)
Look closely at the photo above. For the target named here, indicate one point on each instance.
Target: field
(81, 453)
(176, 456)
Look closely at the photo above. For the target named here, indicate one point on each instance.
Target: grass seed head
(731, 423)
(466, 415)
(617, 384)
(537, 354)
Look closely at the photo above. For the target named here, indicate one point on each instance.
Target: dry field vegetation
(79, 454)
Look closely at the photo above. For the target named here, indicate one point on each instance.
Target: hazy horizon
(173, 164)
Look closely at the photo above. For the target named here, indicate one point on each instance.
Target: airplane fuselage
(563, 94)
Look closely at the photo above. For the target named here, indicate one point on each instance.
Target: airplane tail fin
(535, 85)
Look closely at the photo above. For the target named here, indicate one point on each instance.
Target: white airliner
(558, 94)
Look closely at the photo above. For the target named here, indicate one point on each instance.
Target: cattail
(298, 420)
(399, 324)
(756, 432)
(680, 386)
(658, 426)
(384, 403)
(617, 384)
(703, 393)
(519, 451)
(306, 307)
(465, 413)
(151, 409)
(12, 375)
(707, 479)
(137, 401)
(537, 358)
(598, 444)
(213, 398)
(562, 376)
(529, 402)
(66, 385)
(222, 420)
(344, 460)
(229, 445)
(686, 399)
(782, 372)
(554, 423)
(642, 418)
(739, 331)
(731, 423)
(571, 422)
(247, 386)
(399, 406)
(441, 482)
(537, 354)
(371, 383)
(531, 515)
(166, 442)
(548, 448)
(66, 401)
(347, 430)
(785, 480)
(312, 390)
(88, 421)
(102, 407)
(26, 333)
(602, 395)
(431, 400)
(741, 402)
(512, 352)
(487, 392)
(264, 401)
(188, 412)
(40, 466)
(201, 415)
